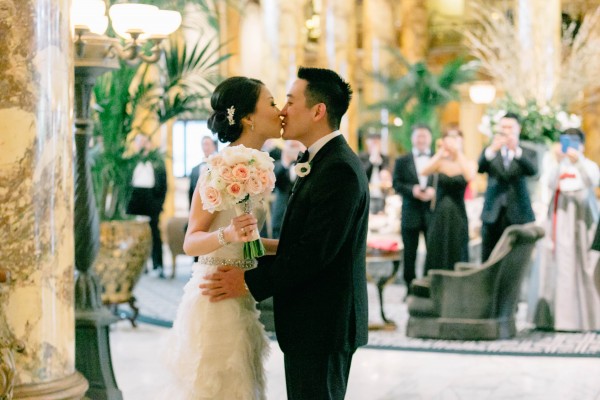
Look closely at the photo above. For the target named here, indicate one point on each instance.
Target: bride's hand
(240, 228)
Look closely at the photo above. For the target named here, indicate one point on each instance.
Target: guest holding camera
(448, 232)
(568, 299)
(507, 200)
(376, 166)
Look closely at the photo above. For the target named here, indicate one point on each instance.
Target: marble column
(283, 27)
(538, 32)
(414, 31)
(229, 30)
(338, 52)
(378, 36)
(36, 196)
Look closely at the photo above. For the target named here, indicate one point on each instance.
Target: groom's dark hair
(326, 86)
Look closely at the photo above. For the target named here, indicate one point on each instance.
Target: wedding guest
(375, 163)
(209, 147)
(417, 193)
(596, 247)
(285, 177)
(568, 299)
(448, 232)
(273, 147)
(507, 200)
(149, 184)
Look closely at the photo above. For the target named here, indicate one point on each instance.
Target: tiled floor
(388, 374)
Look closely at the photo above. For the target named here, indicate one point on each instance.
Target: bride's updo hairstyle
(232, 100)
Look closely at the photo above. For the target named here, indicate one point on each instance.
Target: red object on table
(384, 244)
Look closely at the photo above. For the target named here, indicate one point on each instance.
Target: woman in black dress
(448, 233)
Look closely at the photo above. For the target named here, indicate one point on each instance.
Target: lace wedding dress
(216, 350)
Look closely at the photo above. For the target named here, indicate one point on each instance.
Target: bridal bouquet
(238, 177)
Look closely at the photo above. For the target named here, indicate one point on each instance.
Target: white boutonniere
(302, 169)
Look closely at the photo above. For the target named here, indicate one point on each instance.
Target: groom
(317, 278)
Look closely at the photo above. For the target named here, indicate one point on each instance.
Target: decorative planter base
(72, 387)
(124, 249)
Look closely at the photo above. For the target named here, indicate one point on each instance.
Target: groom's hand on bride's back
(226, 283)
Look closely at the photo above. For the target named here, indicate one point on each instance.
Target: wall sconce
(482, 92)
(95, 54)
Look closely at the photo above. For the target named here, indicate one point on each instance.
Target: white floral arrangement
(538, 123)
(237, 177)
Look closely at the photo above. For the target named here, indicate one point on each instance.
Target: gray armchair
(474, 302)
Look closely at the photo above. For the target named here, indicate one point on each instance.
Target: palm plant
(416, 95)
(184, 80)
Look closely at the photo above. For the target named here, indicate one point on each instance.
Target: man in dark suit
(318, 276)
(417, 192)
(209, 147)
(148, 194)
(285, 176)
(375, 164)
(507, 200)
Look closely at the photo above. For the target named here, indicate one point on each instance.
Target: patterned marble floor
(376, 374)
(388, 374)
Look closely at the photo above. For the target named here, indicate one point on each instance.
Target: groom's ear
(319, 111)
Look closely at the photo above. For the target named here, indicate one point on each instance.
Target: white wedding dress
(215, 351)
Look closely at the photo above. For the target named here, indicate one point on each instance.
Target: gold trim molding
(73, 387)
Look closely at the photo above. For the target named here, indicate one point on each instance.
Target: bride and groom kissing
(315, 272)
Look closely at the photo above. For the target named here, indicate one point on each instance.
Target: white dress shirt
(143, 175)
(318, 145)
(420, 162)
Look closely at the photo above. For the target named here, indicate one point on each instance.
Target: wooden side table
(378, 256)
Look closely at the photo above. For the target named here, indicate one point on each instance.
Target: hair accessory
(230, 112)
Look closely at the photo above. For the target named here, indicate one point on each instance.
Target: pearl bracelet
(221, 237)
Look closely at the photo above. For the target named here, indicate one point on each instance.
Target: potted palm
(129, 101)
(415, 94)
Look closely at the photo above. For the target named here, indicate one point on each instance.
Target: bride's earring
(252, 127)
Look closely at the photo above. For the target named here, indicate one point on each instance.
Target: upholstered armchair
(175, 236)
(474, 302)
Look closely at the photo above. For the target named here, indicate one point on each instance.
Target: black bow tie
(422, 155)
(302, 157)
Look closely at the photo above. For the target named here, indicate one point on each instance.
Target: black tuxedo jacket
(194, 176)
(415, 213)
(596, 242)
(283, 187)
(149, 201)
(318, 277)
(508, 187)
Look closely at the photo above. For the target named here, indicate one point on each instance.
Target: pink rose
(216, 160)
(254, 185)
(225, 173)
(240, 172)
(211, 197)
(267, 178)
(234, 189)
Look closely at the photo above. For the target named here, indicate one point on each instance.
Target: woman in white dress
(567, 298)
(216, 350)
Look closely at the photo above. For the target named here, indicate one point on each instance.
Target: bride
(216, 349)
